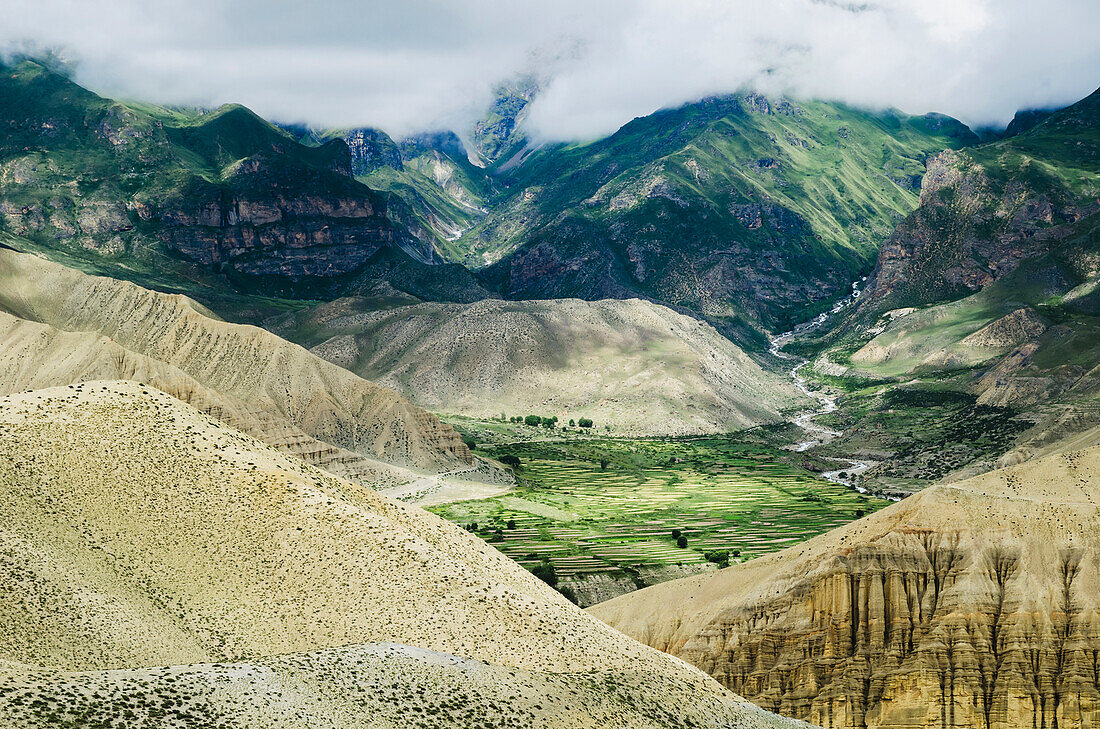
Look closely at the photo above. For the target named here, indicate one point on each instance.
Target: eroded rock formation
(974, 605)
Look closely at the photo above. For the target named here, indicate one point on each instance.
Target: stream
(820, 434)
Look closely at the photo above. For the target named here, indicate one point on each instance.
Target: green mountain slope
(988, 294)
(204, 203)
(752, 212)
(986, 209)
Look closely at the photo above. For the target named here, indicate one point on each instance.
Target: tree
(509, 460)
(584, 423)
(568, 594)
(571, 423)
(545, 571)
(603, 463)
(676, 533)
(682, 542)
(470, 443)
(511, 523)
(532, 420)
(720, 557)
(859, 513)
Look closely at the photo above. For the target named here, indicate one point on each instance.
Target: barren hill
(244, 375)
(975, 604)
(635, 365)
(159, 569)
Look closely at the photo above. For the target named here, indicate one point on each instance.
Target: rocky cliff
(970, 605)
(183, 196)
(985, 210)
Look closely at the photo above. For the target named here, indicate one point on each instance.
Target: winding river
(819, 434)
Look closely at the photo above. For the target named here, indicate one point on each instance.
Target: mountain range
(235, 355)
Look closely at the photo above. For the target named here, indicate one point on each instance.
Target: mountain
(437, 193)
(635, 365)
(195, 202)
(986, 209)
(59, 326)
(163, 570)
(975, 604)
(989, 288)
(755, 213)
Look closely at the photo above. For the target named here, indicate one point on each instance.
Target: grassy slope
(686, 185)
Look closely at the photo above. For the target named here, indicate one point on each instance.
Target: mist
(415, 65)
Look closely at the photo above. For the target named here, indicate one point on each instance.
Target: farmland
(606, 513)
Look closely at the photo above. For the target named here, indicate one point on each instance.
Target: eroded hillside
(633, 365)
(975, 604)
(89, 326)
(138, 532)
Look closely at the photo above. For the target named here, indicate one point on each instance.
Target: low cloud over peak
(417, 64)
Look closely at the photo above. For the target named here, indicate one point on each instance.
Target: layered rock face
(294, 227)
(973, 605)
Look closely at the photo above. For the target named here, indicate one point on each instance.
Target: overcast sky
(409, 65)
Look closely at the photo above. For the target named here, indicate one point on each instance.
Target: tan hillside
(970, 605)
(249, 368)
(136, 532)
(635, 365)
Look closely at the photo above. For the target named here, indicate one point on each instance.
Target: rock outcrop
(970, 605)
(985, 210)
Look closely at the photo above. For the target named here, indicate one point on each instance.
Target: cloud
(407, 65)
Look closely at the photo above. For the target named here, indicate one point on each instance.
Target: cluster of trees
(545, 571)
(535, 421)
(721, 557)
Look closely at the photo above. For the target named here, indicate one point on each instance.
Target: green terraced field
(585, 520)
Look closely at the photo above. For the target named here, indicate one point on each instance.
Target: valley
(752, 412)
(605, 514)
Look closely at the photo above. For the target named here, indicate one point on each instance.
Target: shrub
(511, 523)
(510, 460)
(682, 542)
(470, 443)
(568, 594)
(584, 423)
(676, 533)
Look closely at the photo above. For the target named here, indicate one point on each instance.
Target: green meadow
(610, 505)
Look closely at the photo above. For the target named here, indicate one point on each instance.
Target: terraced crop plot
(619, 521)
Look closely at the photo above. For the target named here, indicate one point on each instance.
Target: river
(819, 434)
